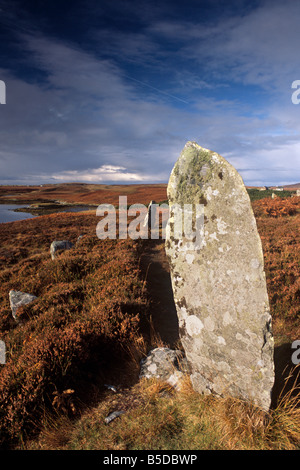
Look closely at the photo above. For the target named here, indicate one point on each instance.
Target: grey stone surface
(113, 415)
(165, 364)
(150, 219)
(218, 280)
(59, 246)
(18, 299)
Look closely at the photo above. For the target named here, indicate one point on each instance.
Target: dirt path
(155, 270)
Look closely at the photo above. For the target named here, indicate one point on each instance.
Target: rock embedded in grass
(58, 246)
(17, 299)
(112, 416)
(165, 364)
(218, 279)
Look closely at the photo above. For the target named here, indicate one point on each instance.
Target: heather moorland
(97, 314)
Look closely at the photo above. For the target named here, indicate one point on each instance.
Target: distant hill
(292, 187)
(95, 194)
(286, 187)
(80, 193)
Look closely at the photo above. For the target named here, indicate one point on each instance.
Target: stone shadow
(155, 270)
(286, 374)
(164, 322)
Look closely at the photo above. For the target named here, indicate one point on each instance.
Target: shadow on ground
(155, 270)
(164, 323)
(286, 373)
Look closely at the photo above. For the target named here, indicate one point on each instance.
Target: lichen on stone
(219, 287)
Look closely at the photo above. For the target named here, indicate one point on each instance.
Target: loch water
(7, 213)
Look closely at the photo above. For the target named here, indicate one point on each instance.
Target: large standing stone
(219, 284)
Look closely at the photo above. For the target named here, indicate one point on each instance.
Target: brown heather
(85, 321)
(90, 321)
(278, 222)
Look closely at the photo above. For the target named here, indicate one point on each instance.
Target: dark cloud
(96, 96)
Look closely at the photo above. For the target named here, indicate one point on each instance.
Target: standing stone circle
(219, 284)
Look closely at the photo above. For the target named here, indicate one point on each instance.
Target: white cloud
(104, 173)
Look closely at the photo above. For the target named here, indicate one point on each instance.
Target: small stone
(113, 415)
(59, 246)
(112, 388)
(18, 299)
(165, 364)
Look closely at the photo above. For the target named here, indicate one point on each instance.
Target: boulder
(58, 246)
(218, 279)
(18, 299)
(165, 364)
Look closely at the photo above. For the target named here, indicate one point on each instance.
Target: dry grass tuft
(284, 428)
(242, 425)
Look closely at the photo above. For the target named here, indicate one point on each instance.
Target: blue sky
(110, 91)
